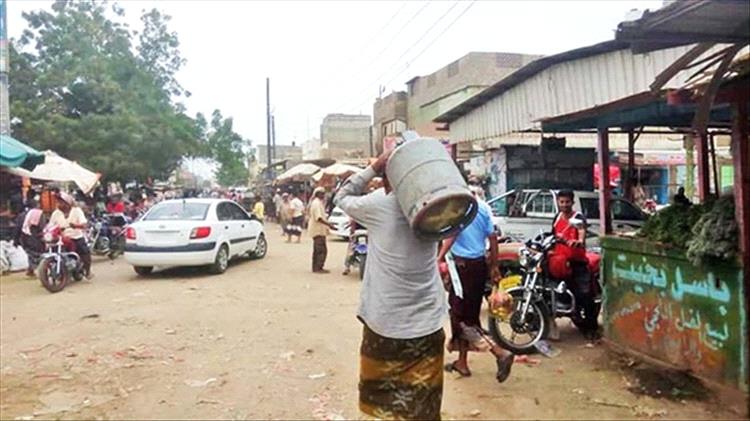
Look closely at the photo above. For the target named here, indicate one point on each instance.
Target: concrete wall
(659, 304)
(290, 152)
(429, 96)
(345, 136)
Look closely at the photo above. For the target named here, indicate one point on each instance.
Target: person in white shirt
(72, 220)
(297, 211)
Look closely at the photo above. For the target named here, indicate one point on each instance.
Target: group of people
(403, 294)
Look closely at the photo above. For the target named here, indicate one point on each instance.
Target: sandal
(504, 365)
(451, 367)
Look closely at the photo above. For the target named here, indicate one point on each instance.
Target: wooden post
(715, 168)
(689, 146)
(703, 174)
(604, 189)
(741, 161)
(631, 163)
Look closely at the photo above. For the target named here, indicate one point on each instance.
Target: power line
(434, 24)
(368, 42)
(408, 63)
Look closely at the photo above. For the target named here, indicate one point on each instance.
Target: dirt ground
(267, 339)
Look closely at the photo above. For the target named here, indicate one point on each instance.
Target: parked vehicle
(359, 255)
(538, 298)
(60, 263)
(341, 221)
(106, 235)
(522, 213)
(193, 232)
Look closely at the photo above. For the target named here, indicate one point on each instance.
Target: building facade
(430, 96)
(311, 149)
(389, 116)
(345, 136)
(292, 153)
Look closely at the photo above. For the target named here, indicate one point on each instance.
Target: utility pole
(268, 128)
(273, 135)
(4, 57)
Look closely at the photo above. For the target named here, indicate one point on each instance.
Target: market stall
(57, 168)
(678, 293)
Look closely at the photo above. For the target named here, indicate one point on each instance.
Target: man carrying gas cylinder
(465, 294)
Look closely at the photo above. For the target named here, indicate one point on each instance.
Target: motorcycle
(359, 254)
(538, 297)
(106, 235)
(59, 263)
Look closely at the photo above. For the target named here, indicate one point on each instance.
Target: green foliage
(228, 149)
(716, 234)
(706, 232)
(81, 86)
(672, 225)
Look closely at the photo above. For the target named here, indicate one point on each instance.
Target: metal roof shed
(557, 85)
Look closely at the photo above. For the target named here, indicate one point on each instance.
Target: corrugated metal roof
(688, 22)
(566, 83)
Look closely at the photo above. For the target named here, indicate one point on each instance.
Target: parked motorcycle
(59, 263)
(106, 235)
(359, 254)
(538, 297)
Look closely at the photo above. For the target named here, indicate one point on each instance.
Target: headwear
(318, 190)
(65, 197)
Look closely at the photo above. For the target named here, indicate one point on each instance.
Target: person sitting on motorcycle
(353, 227)
(69, 217)
(568, 260)
(116, 204)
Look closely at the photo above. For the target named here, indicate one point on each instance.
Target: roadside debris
(525, 359)
(475, 413)
(90, 316)
(200, 383)
(316, 376)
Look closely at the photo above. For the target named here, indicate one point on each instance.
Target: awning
(14, 153)
(299, 172)
(336, 170)
(57, 168)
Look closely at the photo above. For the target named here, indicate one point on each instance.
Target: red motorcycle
(60, 262)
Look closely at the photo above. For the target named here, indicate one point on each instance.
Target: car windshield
(178, 211)
(621, 210)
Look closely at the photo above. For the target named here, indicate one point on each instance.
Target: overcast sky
(327, 57)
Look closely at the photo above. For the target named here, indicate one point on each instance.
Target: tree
(81, 87)
(228, 149)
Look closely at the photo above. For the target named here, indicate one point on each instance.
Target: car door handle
(243, 225)
(226, 227)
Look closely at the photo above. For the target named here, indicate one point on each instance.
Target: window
(224, 212)
(238, 213)
(543, 203)
(590, 207)
(500, 206)
(176, 211)
(625, 211)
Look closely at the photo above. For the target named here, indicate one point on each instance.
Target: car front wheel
(261, 248)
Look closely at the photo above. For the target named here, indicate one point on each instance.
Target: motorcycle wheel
(504, 334)
(52, 280)
(362, 263)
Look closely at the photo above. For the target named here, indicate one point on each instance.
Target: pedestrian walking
(318, 230)
(297, 218)
(31, 235)
(402, 307)
(475, 270)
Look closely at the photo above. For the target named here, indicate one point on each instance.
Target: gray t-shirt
(402, 295)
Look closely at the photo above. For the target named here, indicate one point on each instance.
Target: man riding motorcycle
(72, 220)
(568, 261)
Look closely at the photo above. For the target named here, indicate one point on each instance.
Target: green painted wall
(656, 302)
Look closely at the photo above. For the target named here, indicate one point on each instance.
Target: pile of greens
(716, 234)
(707, 232)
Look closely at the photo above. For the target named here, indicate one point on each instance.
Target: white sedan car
(193, 232)
(341, 221)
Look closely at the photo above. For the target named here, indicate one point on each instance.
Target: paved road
(268, 339)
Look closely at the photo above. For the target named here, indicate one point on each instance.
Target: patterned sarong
(401, 378)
